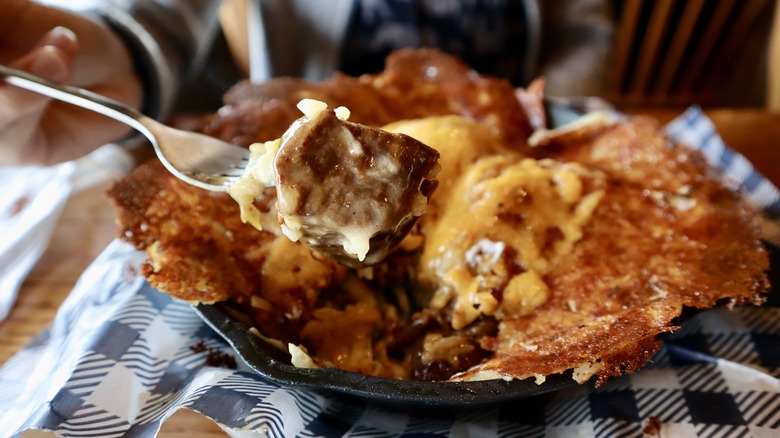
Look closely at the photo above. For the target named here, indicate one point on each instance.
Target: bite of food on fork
(347, 190)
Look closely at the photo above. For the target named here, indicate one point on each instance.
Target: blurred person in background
(166, 56)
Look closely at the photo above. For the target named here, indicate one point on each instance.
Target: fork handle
(76, 96)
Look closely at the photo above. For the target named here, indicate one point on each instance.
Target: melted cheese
(459, 140)
(259, 175)
(504, 224)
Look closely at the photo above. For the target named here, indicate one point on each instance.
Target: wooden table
(87, 226)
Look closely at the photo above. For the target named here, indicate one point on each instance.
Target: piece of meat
(351, 191)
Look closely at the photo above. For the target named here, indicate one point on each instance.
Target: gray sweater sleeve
(577, 41)
(167, 39)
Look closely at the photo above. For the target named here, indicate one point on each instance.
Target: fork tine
(198, 159)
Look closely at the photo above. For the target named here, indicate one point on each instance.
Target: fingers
(20, 110)
(61, 37)
(34, 128)
(47, 62)
(53, 56)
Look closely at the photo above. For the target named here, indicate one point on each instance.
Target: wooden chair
(773, 80)
(678, 52)
(667, 52)
(234, 19)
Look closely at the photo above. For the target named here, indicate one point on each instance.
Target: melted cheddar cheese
(501, 220)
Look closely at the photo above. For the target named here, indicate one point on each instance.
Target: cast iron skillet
(274, 365)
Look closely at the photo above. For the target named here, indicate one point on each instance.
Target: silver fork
(197, 159)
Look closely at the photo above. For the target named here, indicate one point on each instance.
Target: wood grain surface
(87, 226)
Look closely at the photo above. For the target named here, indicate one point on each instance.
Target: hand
(67, 48)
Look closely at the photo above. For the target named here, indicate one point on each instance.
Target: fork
(197, 159)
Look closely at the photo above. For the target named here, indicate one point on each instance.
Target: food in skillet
(541, 251)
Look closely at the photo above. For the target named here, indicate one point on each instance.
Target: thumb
(48, 62)
(52, 57)
(21, 110)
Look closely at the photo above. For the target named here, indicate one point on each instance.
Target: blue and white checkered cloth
(117, 361)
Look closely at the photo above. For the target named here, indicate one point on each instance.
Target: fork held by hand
(197, 159)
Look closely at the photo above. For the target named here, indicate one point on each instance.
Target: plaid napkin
(121, 357)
